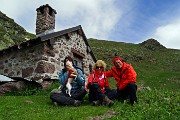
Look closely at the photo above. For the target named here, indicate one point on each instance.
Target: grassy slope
(11, 33)
(153, 105)
(155, 68)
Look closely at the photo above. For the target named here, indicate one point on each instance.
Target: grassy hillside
(11, 33)
(156, 66)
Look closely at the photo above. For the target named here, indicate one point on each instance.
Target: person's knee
(112, 94)
(93, 85)
(84, 92)
(132, 85)
(53, 96)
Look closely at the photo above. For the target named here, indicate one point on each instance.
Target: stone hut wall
(20, 62)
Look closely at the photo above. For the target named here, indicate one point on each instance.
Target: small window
(78, 59)
(75, 62)
(78, 62)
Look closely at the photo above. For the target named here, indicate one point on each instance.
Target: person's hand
(68, 67)
(71, 70)
(74, 71)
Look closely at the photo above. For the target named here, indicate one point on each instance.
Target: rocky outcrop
(17, 85)
(152, 44)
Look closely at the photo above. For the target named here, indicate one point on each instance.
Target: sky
(130, 21)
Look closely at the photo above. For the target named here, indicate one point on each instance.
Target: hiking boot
(107, 101)
(96, 103)
(55, 103)
(132, 101)
(77, 103)
(111, 104)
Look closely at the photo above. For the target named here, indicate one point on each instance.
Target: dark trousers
(64, 99)
(112, 94)
(95, 93)
(129, 92)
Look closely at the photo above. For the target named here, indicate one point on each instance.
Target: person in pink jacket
(98, 85)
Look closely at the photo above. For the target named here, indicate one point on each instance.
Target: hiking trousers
(64, 99)
(129, 92)
(95, 93)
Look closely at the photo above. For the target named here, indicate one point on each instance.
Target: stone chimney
(45, 21)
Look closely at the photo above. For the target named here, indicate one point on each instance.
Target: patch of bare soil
(108, 114)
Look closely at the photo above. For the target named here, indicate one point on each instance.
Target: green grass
(153, 105)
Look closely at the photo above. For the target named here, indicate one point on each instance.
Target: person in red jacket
(125, 76)
(98, 85)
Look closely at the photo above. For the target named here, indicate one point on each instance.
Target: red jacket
(123, 76)
(101, 79)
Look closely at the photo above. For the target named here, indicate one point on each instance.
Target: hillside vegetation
(156, 66)
(11, 33)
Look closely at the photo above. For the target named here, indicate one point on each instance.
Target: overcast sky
(131, 21)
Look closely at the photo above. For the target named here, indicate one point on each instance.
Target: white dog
(70, 79)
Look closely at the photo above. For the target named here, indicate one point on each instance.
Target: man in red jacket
(125, 76)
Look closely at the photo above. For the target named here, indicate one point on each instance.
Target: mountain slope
(11, 33)
(155, 65)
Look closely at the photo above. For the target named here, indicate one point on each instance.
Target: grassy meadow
(158, 68)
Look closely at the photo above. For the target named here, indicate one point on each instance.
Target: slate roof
(48, 37)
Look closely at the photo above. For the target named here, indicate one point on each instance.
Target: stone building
(41, 58)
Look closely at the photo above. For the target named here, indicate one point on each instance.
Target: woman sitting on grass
(77, 92)
(98, 85)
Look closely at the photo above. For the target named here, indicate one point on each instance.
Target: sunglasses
(99, 66)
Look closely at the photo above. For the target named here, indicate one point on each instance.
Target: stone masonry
(45, 20)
